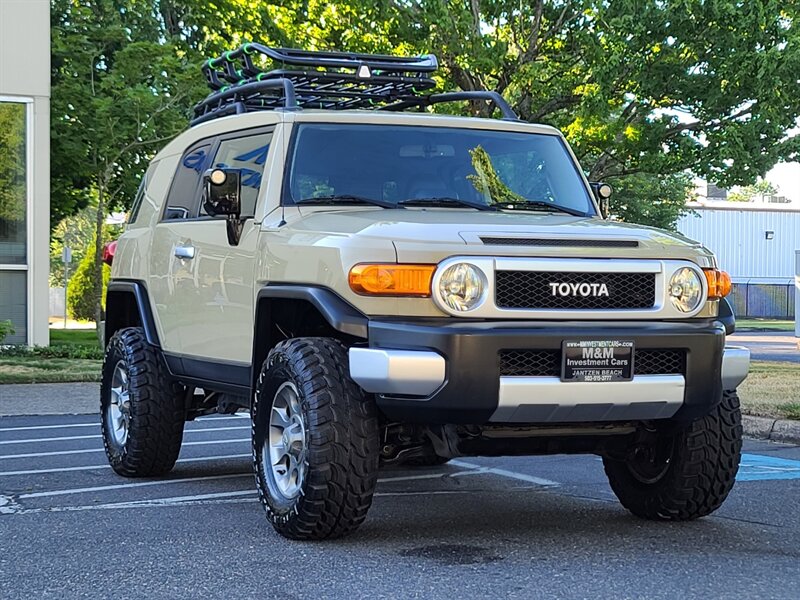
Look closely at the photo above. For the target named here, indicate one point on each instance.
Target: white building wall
(25, 79)
(738, 237)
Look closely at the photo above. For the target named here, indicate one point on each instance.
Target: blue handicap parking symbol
(755, 467)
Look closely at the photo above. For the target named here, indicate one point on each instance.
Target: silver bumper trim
(735, 366)
(402, 372)
(550, 400)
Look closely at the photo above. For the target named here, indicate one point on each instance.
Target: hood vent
(559, 242)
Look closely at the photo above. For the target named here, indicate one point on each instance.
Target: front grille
(547, 363)
(530, 363)
(532, 290)
(659, 362)
(568, 243)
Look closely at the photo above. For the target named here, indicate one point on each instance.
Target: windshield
(410, 165)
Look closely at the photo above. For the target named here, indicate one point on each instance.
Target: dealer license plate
(597, 360)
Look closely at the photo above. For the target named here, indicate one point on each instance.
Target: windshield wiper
(445, 201)
(346, 199)
(534, 204)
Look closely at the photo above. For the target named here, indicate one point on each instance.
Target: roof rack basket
(327, 80)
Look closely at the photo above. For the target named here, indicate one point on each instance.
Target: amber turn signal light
(719, 283)
(391, 280)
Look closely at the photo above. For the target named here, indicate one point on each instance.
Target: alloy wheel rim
(118, 416)
(284, 452)
(650, 465)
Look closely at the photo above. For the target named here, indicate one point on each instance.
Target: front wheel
(685, 475)
(315, 441)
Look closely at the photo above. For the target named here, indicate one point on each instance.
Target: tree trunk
(97, 271)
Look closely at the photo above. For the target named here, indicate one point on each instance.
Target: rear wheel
(686, 474)
(315, 441)
(142, 412)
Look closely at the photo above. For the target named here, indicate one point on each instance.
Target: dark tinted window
(395, 163)
(184, 194)
(137, 201)
(248, 154)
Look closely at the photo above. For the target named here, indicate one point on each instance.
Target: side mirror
(223, 197)
(602, 191)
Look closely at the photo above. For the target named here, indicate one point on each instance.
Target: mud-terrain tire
(697, 475)
(315, 441)
(142, 412)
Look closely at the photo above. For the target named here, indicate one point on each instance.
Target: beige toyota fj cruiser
(380, 284)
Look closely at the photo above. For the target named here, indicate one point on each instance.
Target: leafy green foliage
(12, 162)
(648, 199)
(637, 86)
(81, 289)
(487, 181)
(119, 91)
(6, 329)
(750, 192)
(71, 351)
(77, 232)
(643, 89)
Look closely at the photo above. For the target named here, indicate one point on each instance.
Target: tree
(749, 192)
(637, 86)
(653, 200)
(640, 87)
(118, 93)
(77, 232)
(81, 288)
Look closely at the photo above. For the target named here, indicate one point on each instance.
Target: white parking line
(63, 452)
(97, 423)
(106, 466)
(32, 427)
(504, 473)
(97, 435)
(119, 486)
(429, 476)
(9, 506)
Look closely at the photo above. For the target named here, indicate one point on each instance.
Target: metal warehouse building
(756, 244)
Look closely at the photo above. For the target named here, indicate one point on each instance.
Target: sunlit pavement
(512, 528)
(768, 345)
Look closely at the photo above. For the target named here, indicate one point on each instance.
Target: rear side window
(137, 201)
(249, 155)
(184, 194)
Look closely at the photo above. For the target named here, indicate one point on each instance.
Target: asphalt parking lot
(513, 527)
(768, 345)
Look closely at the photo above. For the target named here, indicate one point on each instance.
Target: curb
(774, 430)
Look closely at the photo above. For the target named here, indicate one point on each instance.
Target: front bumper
(441, 371)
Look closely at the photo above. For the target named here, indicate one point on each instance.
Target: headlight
(462, 286)
(685, 290)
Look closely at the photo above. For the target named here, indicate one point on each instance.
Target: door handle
(184, 251)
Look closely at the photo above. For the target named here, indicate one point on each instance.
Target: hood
(423, 235)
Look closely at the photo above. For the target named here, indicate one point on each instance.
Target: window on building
(13, 218)
(13, 185)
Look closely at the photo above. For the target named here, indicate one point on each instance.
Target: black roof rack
(329, 80)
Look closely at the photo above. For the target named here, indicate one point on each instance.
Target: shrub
(58, 351)
(80, 296)
(6, 329)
